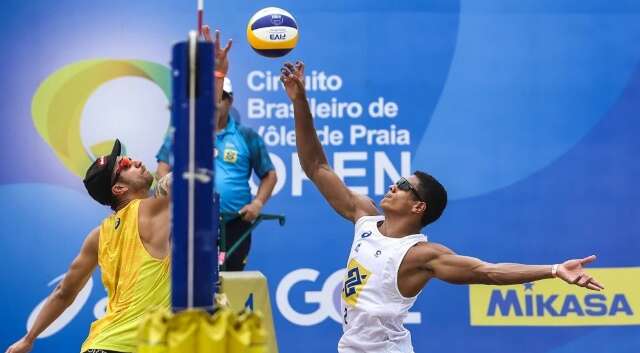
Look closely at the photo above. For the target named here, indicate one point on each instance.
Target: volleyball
(272, 32)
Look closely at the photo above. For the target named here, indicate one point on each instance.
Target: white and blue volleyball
(272, 32)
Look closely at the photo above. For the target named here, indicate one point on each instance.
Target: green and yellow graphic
(58, 104)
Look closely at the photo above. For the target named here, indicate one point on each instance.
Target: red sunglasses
(122, 164)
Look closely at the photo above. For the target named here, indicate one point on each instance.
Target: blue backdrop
(527, 112)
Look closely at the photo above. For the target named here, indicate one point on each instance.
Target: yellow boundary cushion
(196, 331)
(232, 328)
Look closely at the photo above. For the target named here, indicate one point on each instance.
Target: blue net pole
(195, 213)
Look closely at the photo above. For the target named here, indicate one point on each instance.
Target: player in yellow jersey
(132, 248)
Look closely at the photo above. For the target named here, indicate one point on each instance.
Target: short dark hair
(434, 195)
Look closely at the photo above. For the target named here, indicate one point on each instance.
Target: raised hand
(572, 272)
(221, 59)
(292, 76)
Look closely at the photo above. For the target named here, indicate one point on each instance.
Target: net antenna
(200, 16)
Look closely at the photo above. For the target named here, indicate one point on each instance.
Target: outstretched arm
(312, 158)
(452, 268)
(64, 294)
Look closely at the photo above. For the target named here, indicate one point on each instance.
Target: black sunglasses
(404, 185)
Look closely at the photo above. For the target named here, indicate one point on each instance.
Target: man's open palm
(572, 272)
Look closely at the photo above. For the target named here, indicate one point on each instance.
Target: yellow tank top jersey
(135, 282)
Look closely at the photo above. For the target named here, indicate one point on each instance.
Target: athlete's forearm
(163, 169)
(308, 145)
(218, 89)
(163, 186)
(55, 305)
(509, 273)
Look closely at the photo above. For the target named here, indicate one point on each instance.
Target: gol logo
(325, 302)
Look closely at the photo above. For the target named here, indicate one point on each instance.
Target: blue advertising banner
(526, 111)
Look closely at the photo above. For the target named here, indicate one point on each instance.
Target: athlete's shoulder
(91, 241)
(93, 234)
(364, 207)
(427, 251)
(363, 217)
(147, 203)
(152, 206)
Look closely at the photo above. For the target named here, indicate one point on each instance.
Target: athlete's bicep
(82, 267)
(347, 203)
(452, 268)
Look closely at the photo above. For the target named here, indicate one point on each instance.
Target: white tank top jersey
(373, 308)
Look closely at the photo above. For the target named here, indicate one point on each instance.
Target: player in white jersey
(390, 261)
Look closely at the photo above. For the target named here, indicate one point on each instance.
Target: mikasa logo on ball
(276, 19)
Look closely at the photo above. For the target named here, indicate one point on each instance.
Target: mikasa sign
(554, 303)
